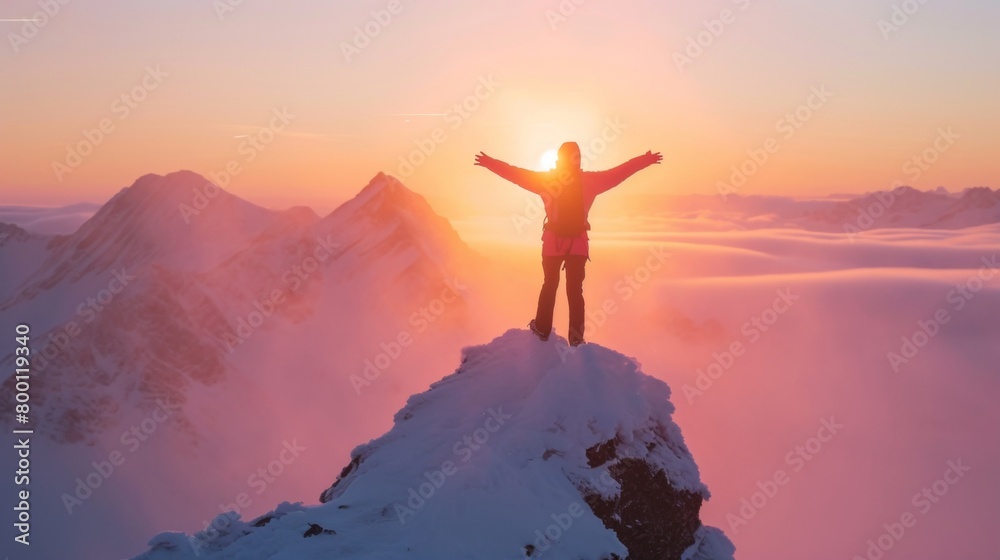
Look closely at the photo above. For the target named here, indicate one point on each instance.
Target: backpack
(568, 217)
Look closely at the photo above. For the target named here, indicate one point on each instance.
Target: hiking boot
(534, 330)
(574, 342)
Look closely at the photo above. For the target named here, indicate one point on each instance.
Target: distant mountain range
(161, 288)
(47, 220)
(903, 207)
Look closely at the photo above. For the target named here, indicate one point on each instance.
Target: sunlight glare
(548, 160)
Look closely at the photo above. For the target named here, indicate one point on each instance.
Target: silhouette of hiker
(568, 192)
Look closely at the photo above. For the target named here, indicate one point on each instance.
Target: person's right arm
(524, 178)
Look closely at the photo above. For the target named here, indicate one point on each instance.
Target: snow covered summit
(528, 450)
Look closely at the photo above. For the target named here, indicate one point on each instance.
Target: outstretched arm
(524, 178)
(607, 180)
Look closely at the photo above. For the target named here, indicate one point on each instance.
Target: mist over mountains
(149, 298)
(902, 207)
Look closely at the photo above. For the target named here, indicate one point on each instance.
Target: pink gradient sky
(607, 61)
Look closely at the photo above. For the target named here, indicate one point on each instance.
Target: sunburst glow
(548, 160)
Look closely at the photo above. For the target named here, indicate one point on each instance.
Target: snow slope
(509, 457)
(20, 254)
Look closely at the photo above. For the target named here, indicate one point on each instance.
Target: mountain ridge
(142, 305)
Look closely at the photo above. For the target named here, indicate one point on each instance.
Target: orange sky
(607, 68)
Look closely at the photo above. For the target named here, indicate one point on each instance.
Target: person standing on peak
(568, 192)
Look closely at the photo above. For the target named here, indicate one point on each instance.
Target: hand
(653, 159)
(484, 160)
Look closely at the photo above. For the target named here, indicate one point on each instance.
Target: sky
(293, 102)
(305, 101)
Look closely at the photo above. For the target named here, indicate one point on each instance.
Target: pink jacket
(543, 183)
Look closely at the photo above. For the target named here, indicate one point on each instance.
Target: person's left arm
(607, 180)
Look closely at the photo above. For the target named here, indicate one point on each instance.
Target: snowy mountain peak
(387, 217)
(528, 447)
(181, 194)
(180, 219)
(381, 181)
(301, 213)
(386, 194)
(982, 197)
(173, 187)
(11, 232)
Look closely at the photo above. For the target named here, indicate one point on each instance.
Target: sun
(548, 160)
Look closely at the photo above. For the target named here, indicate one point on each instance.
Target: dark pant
(575, 274)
